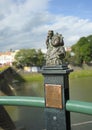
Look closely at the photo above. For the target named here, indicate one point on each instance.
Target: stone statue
(55, 49)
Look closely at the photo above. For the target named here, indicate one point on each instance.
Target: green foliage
(40, 58)
(82, 50)
(27, 57)
(67, 57)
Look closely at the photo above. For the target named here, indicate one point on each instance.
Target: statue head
(50, 33)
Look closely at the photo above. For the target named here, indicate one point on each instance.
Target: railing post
(56, 87)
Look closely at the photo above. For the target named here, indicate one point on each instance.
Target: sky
(24, 24)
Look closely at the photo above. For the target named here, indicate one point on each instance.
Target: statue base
(56, 89)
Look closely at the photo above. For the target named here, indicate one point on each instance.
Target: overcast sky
(25, 23)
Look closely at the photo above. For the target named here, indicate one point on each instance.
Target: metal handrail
(79, 106)
(22, 101)
(71, 105)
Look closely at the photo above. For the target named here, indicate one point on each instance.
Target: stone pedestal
(56, 87)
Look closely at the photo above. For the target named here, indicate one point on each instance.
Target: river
(33, 118)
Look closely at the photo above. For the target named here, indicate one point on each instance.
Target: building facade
(7, 58)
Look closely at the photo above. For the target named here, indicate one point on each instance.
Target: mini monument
(55, 49)
(56, 84)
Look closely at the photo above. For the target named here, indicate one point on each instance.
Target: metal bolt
(54, 118)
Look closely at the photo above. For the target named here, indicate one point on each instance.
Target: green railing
(71, 105)
(22, 101)
(79, 106)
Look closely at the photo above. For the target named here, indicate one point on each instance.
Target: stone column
(56, 88)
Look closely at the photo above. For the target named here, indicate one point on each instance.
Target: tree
(67, 57)
(41, 59)
(27, 57)
(83, 50)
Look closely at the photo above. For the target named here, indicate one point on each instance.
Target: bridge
(51, 105)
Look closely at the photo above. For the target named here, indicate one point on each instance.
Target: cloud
(25, 23)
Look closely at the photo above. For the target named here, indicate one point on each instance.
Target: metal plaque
(53, 95)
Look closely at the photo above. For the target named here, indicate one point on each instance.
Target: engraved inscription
(53, 95)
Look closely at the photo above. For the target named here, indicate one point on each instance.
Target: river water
(33, 118)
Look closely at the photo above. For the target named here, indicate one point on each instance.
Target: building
(68, 49)
(7, 58)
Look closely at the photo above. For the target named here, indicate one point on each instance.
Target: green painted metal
(22, 101)
(79, 106)
(71, 105)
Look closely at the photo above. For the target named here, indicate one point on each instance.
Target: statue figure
(55, 49)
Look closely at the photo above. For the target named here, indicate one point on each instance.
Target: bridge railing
(22, 101)
(56, 97)
(71, 105)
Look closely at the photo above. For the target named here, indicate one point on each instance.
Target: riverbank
(77, 73)
(81, 73)
(31, 77)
